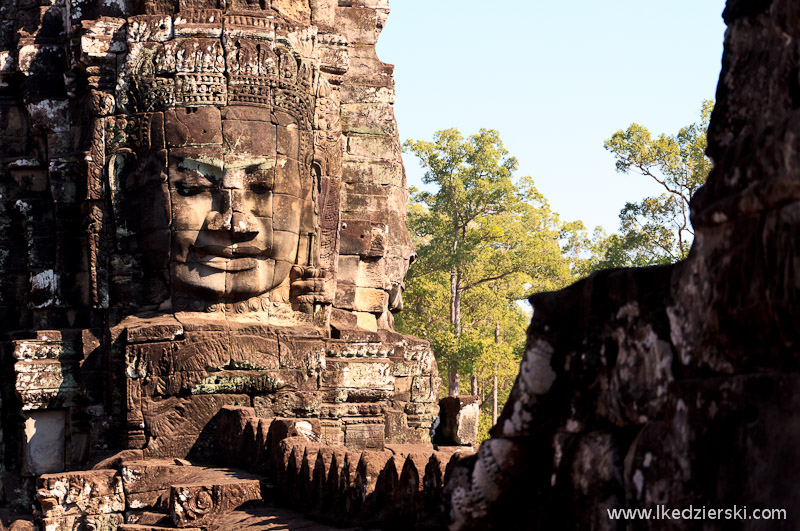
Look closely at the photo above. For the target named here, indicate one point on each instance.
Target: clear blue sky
(555, 79)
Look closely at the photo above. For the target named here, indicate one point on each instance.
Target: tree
(657, 230)
(484, 241)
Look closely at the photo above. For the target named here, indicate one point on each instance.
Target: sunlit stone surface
(203, 207)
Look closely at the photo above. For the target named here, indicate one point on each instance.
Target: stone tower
(203, 205)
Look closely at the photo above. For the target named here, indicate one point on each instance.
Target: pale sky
(555, 79)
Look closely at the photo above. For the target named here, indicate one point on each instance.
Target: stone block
(43, 347)
(361, 299)
(354, 342)
(458, 420)
(44, 442)
(373, 147)
(156, 28)
(366, 321)
(180, 425)
(368, 119)
(198, 23)
(370, 300)
(146, 331)
(46, 383)
(92, 492)
(147, 482)
(361, 25)
(94, 48)
(299, 12)
(147, 518)
(366, 69)
(348, 269)
(288, 404)
(361, 435)
(192, 127)
(363, 238)
(402, 386)
(355, 374)
(254, 136)
(95, 522)
(332, 432)
(198, 504)
(372, 274)
(352, 93)
(298, 354)
(423, 388)
(343, 320)
(280, 429)
(30, 178)
(360, 205)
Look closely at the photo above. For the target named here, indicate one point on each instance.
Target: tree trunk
(455, 321)
(455, 301)
(452, 383)
(473, 384)
(494, 377)
(494, 398)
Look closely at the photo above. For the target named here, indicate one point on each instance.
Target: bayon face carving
(214, 149)
(201, 151)
(236, 217)
(187, 160)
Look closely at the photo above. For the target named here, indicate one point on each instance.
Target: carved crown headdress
(205, 57)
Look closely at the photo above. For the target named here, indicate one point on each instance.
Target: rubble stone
(80, 493)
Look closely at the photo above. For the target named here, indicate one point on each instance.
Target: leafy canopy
(485, 240)
(657, 229)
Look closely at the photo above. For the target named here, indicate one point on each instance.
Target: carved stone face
(230, 123)
(236, 208)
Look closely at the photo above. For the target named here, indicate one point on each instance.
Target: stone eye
(259, 188)
(188, 190)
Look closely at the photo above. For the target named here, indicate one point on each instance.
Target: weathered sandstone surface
(672, 385)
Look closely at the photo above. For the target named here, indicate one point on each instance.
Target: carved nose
(230, 217)
(243, 223)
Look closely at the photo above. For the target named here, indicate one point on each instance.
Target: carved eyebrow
(252, 164)
(216, 167)
(209, 168)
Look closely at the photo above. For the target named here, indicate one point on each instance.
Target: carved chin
(231, 279)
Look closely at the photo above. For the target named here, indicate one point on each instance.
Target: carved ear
(315, 163)
(324, 89)
(120, 167)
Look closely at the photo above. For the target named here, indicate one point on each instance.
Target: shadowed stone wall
(672, 385)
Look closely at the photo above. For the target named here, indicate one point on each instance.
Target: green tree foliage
(657, 229)
(485, 240)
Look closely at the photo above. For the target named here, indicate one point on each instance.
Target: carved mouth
(229, 251)
(231, 258)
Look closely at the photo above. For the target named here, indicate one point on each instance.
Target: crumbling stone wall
(672, 385)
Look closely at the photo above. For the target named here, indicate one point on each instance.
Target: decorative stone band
(194, 71)
(185, 303)
(192, 90)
